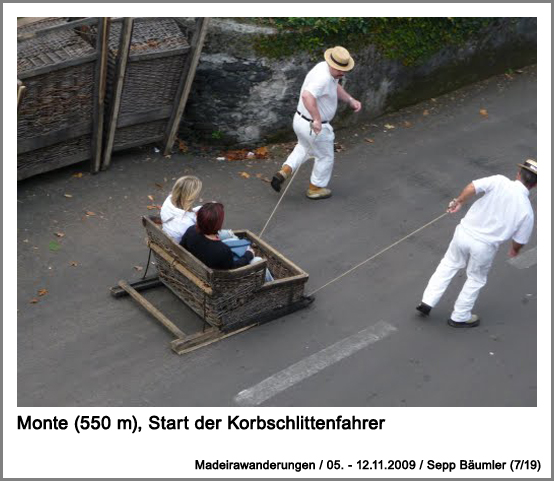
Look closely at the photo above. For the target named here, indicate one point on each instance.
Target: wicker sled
(230, 301)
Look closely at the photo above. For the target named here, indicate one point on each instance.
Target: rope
(279, 201)
(379, 253)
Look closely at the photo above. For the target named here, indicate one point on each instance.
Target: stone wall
(242, 99)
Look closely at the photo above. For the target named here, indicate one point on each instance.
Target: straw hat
(530, 165)
(339, 58)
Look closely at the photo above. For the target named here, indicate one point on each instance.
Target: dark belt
(310, 120)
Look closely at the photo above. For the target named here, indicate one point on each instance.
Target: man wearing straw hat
(503, 212)
(317, 105)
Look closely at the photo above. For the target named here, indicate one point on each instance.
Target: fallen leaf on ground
(73, 264)
(158, 185)
(182, 145)
(68, 196)
(369, 141)
(152, 207)
(53, 246)
(42, 292)
(138, 268)
(407, 124)
(151, 198)
(389, 126)
(167, 156)
(78, 175)
(236, 154)
(425, 112)
(246, 175)
(338, 147)
(484, 113)
(265, 179)
(33, 301)
(261, 153)
(89, 213)
(519, 70)
(59, 234)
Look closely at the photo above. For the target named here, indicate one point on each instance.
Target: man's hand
(454, 206)
(514, 249)
(316, 126)
(355, 104)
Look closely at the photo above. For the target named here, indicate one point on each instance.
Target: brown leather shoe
(318, 193)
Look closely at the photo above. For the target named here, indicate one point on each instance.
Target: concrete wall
(241, 99)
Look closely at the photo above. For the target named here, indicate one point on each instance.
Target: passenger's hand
(513, 252)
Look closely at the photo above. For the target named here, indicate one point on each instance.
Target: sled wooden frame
(269, 300)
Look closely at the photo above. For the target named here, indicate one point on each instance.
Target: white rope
(379, 253)
(279, 201)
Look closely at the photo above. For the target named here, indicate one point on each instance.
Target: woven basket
(54, 124)
(233, 298)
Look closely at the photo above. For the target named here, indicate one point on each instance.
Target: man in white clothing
(504, 212)
(317, 105)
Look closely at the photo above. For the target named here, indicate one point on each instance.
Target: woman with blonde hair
(178, 213)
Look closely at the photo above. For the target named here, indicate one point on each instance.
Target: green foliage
(408, 39)
(217, 134)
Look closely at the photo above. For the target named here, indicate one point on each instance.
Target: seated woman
(204, 243)
(177, 212)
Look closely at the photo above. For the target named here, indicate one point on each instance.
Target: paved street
(361, 343)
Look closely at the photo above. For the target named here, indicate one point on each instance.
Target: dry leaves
(245, 175)
(73, 264)
(78, 175)
(182, 146)
(425, 112)
(369, 141)
(152, 207)
(389, 126)
(42, 292)
(68, 196)
(244, 154)
(483, 113)
(89, 213)
(338, 147)
(138, 268)
(59, 234)
(151, 197)
(263, 178)
(33, 301)
(407, 124)
(158, 185)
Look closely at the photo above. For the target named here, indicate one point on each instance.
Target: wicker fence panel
(55, 115)
(56, 100)
(157, 56)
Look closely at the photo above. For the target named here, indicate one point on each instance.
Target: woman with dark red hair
(203, 242)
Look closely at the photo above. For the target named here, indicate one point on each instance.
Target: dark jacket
(214, 253)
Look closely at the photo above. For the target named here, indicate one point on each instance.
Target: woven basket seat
(228, 299)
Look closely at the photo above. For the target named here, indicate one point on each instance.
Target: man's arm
(310, 103)
(466, 194)
(346, 97)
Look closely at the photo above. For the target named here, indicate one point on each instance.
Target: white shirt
(504, 212)
(176, 221)
(321, 84)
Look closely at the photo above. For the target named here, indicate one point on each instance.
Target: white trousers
(311, 145)
(463, 250)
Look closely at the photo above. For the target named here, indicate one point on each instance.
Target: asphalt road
(360, 344)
